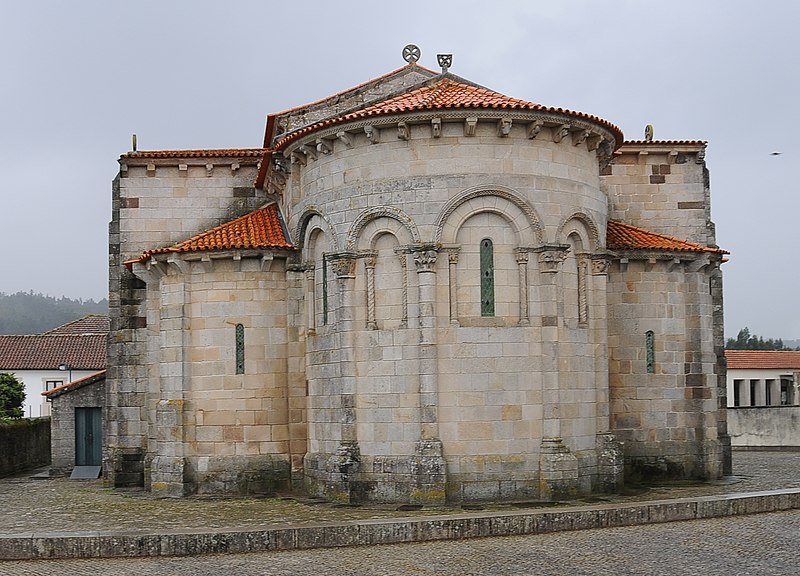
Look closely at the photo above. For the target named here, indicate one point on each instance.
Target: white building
(763, 398)
(46, 361)
(763, 378)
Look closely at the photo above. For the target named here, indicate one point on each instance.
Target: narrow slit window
(649, 342)
(487, 277)
(324, 289)
(239, 349)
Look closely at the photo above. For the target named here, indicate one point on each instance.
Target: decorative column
(311, 302)
(369, 267)
(452, 260)
(428, 469)
(558, 467)
(583, 300)
(344, 465)
(404, 274)
(610, 461)
(522, 264)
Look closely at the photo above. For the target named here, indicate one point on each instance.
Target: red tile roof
(620, 236)
(763, 359)
(446, 93)
(74, 385)
(47, 351)
(260, 229)
(214, 153)
(91, 324)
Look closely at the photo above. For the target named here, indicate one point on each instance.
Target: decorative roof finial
(648, 133)
(411, 53)
(445, 61)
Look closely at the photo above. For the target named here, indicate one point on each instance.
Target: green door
(88, 437)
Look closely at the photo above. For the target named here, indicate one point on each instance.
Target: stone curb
(110, 544)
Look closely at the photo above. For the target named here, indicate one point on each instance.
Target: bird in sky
(775, 153)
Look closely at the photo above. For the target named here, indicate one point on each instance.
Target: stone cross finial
(445, 61)
(411, 53)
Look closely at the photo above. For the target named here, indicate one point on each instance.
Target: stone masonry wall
(24, 445)
(214, 430)
(155, 202)
(666, 415)
(662, 188)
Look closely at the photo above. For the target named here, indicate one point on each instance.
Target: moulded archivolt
(484, 199)
(588, 231)
(380, 212)
(312, 218)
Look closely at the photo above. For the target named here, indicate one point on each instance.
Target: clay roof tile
(763, 359)
(260, 229)
(621, 236)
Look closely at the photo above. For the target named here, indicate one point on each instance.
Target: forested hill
(29, 313)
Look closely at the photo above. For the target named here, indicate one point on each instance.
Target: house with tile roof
(56, 357)
(418, 290)
(763, 398)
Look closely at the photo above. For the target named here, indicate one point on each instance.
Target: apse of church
(422, 291)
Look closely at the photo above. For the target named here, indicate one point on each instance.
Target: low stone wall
(382, 531)
(764, 426)
(24, 445)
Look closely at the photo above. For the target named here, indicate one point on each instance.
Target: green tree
(746, 341)
(12, 395)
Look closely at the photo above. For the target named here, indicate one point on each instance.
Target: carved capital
(600, 264)
(369, 260)
(521, 256)
(550, 257)
(425, 260)
(343, 264)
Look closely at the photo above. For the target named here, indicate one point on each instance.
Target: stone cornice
(582, 132)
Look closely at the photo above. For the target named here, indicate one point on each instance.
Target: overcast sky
(78, 78)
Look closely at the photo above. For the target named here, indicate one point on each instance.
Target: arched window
(239, 349)
(487, 277)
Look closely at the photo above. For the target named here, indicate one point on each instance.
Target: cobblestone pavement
(62, 505)
(762, 544)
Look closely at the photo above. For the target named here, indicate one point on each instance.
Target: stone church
(420, 291)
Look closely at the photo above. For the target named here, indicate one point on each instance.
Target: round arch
(498, 200)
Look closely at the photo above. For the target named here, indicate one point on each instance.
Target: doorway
(88, 437)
